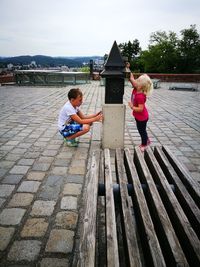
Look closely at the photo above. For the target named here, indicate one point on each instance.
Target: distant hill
(48, 61)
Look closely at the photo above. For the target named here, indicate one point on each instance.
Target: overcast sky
(86, 27)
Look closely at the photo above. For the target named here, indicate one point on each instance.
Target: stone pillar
(114, 109)
(113, 125)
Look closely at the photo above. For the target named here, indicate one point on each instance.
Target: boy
(72, 122)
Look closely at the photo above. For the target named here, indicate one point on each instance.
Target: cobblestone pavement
(41, 179)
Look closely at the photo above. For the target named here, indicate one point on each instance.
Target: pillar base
(113, 126)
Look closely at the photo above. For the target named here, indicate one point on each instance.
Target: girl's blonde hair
(146, 83)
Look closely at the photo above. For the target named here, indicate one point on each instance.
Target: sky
(87, 28)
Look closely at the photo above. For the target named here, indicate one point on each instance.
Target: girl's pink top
(136, 99)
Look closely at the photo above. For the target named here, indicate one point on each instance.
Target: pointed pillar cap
(114, 65)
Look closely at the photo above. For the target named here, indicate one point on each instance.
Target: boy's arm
(82, 116)
(80, 120)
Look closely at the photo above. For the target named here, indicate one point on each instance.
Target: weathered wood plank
(129, 226)
(184, 175)
(153, 253)
(174, 254)
(111, 232)
(88, 233)
(186, 201)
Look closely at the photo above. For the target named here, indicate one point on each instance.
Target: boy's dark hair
(74, 93)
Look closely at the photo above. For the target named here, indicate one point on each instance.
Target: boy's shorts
(71, 129)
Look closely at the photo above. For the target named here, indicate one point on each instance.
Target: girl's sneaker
(142, 147)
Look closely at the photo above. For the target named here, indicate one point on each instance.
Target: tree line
(166, 53)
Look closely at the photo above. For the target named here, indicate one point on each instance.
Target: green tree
(131, 51)
(162, 54)
(189, 50)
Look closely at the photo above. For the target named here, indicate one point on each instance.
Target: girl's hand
(131, 75)
(130, 105)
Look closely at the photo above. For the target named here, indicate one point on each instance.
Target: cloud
(72, 28)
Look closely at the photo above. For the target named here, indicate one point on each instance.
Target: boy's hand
(100, 117)
(100, 112)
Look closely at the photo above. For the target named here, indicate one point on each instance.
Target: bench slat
(187, 202)
(184, 175)
(111, 231)
(129, 225)
(88, 235)
(175, 254)
(153, 253)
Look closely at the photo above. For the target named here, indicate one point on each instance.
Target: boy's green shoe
(71, 142)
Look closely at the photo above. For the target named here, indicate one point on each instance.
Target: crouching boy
(72, 122)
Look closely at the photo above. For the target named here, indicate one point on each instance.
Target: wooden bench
(156, 83)
(183, 87)
(141, 211)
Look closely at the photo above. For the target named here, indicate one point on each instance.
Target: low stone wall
(8, 78)
(173, 77)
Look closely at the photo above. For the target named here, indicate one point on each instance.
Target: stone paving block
(44, 138)
(59, 170)
(41, 166)
(65, 155)
(5, 164)
(51, 189)
(195, 160)
(3, 172)
(77, 169)
(34, 228)
(21, 200)
(20, 151)
(32, 155)
(2, 200)
(24, 250)
(185, 149)
(52, 147)
(72, 189)
(12, 157)
(12, 216)
(19, 169)
(24, 145)
(50, 152)
(60, 241)
(74, 178)
(66, 219)
(12, 143)
(6, 148)
(191, 167)
(54, 262)
(40, 144)
(6, 234)
(45, 159)
(26, 162)
(36, 176)
(81, 154)
(6, 190)
(12, 179)
(43, 208)
(29, 186)
(62, 162)
(68, 203)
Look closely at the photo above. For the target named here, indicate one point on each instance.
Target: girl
(142, 87)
